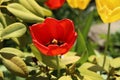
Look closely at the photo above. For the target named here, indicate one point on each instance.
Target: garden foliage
(48, 40)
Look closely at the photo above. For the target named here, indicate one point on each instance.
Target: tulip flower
(53, 37)
(81, 4)
(109, 10)
(54, 4)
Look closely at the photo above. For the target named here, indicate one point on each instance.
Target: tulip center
(56, 42)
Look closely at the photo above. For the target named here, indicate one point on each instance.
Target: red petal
(57, 50)
(72, 39)
(54, 4)
(41, 47)
(68, 27)
(56, 31)
(65, 48)
(62, 30)
(40, 32)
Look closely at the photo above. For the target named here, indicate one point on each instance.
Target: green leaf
(115, 63)
(91, 67)
(87, 74)
(1, 1)
(69, 58)
(117, 72)
(92, 76)
(36, 52)
(80, 45)
(117, 78)
(81, 49)
(90, 48)
(65, 78)
(2, 20)
(16, 41)
(26, 4)
(83, 59)
(15, 65)
(1, 75)
(51, 61)
(100, 60)
(39, 9)
(92, 58)
(32, 77)
(7, 51)
(86, 66)
(87, 26)
(21, 12)
(13, 30)
(1, 28)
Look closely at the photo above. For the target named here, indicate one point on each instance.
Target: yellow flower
(109, 10)
(81, 4)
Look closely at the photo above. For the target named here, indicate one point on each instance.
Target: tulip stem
(58, 66)
(107, 45)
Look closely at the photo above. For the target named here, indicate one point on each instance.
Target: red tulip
(53, 37)
(54, 4)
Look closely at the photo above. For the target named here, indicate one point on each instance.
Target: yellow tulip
(109, 10)
(81, 4)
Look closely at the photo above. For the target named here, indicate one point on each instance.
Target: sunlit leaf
(39, 9)
(1, 1)
(1, 75)
(91, 67)
(22, 13)
(36, 52)
(7, 51)
(16, 41)
(65, 78)
(88, 74)
(117, 78)
(1, 28)
(117, 72)
(13, 30)
(28, 6)
(93, 76)
(100, 61)
(69, 58)
(92, 58)
(15, 65)
(2, 20)
(115, 63)
(34, 7)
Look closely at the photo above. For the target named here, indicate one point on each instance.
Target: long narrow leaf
(83, 59)
(90, 48)
(81, 49)
(88, 24)
(80, 44)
